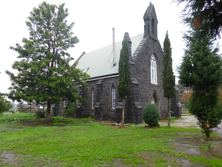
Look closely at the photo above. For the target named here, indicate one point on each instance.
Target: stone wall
(147, 91)
(176, 106)
(58, 109)
(103, 102)
(103, 99)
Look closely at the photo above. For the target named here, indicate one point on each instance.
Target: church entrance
(154, 99)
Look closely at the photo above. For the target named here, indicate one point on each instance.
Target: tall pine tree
(206, 15)
(168, 76)
(44, 73)
(201, 70)
(124, 73)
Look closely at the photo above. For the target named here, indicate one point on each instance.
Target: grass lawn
(26, 141)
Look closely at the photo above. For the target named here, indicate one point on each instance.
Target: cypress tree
(168, 76)
(201, 70)
(124, 73)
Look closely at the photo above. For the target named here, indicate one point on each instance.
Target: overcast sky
(94, 20)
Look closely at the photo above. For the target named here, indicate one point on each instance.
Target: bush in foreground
(5, 105)
(151, 115)
(40, 114)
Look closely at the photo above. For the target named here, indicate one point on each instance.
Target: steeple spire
(150, 21)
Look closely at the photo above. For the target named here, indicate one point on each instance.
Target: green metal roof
(101, 62)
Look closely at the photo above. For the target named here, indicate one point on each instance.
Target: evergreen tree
(5, 105)
(124, 73)
(44, 73)
(205, 15)
(201, 70)
(168, 76)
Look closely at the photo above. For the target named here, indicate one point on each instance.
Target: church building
(146, 67)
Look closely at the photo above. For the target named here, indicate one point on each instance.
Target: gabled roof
(101, 62)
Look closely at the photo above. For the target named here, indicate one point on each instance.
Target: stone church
(146, 66)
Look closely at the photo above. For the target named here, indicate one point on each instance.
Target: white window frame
(153, 70)
(113, 98)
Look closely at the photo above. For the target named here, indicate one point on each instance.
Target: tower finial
(150, 21)
(114, 49)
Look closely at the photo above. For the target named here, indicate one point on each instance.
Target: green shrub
(70, 110)
(151, 115)
(187, 105)
(40, 113)
(5, 105)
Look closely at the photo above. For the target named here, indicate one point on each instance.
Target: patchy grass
(172, 120)
(72, 142)
(89, 119)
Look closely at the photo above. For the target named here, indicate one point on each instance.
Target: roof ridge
(139, 48)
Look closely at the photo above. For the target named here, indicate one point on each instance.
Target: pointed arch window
(93, 98)
(113, 97)
(153, 70)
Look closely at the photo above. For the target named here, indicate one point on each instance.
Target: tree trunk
(207, 135)
(48, 113)
(207, 131)
(168, 112)
(124, 101)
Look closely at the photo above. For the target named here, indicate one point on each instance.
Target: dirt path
(188, 121)
(218, 129)
(8, 158)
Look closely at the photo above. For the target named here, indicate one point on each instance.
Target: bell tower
(150, 22)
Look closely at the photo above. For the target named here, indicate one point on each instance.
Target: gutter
(103, 77)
